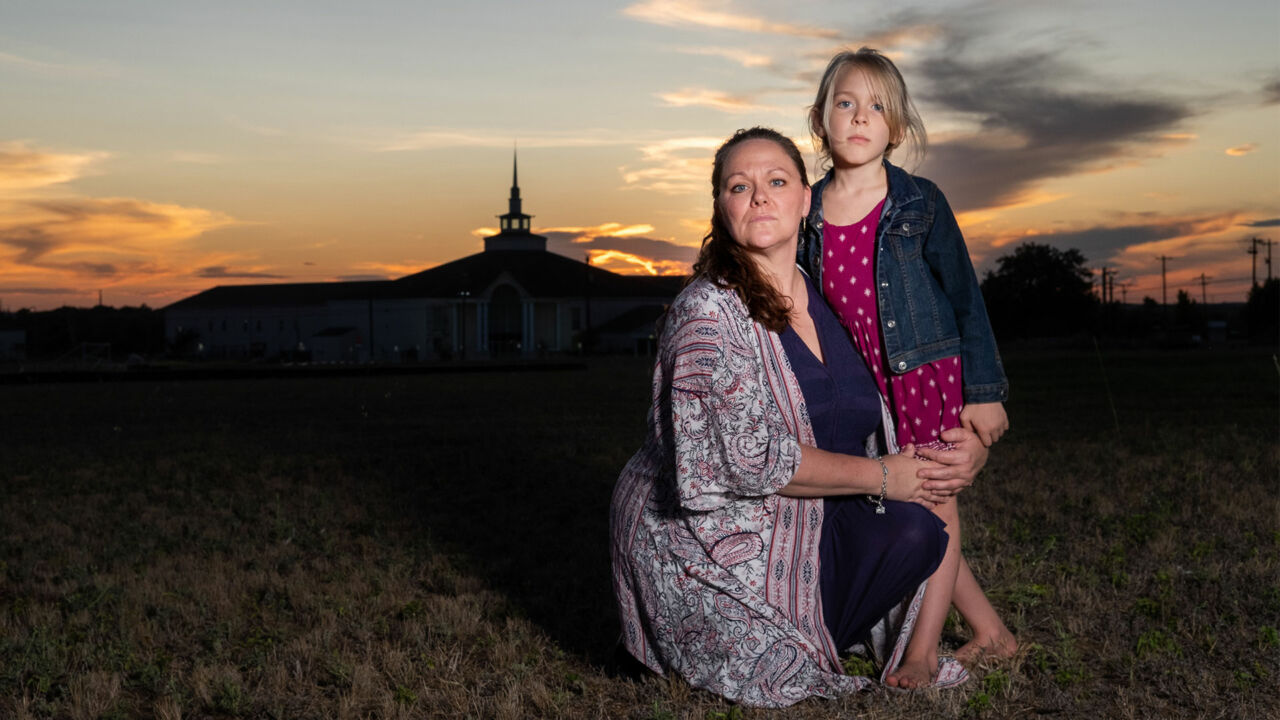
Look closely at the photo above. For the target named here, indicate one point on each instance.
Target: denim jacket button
(902, 365)
(891, 323)
(884, 284)
(906, 227)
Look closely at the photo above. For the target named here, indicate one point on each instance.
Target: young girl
(892, 263)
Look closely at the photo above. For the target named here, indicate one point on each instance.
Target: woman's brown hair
(724, 262)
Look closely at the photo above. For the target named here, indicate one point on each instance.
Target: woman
(752, 539)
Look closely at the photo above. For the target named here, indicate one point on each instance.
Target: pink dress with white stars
(926, 400)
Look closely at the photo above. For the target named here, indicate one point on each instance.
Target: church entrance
(505, 322)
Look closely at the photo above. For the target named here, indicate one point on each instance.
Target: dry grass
(436, 546)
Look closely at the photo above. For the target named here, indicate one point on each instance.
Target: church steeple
(514, 233)
(514, 203)
(515, 221)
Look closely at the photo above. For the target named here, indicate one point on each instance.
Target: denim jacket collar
(902, 191)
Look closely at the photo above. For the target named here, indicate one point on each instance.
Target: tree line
(1035, 292)
(1039, 291)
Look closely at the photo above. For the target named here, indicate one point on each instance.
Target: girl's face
(857, 129)
(762, 197)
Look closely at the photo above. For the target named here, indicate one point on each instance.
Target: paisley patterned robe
(716, 575)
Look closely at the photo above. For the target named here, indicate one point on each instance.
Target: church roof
(282, 294)
(541, 274)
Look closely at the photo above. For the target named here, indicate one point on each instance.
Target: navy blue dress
(869, 562)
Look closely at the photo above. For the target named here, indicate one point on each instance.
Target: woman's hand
(905, 482)
(953, 470)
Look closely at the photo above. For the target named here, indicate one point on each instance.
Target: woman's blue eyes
(742, 187)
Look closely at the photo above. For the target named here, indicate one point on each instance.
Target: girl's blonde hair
(905, 125)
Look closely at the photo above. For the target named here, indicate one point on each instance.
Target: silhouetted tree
(53, 333)
(1262, 311)
(1040, 291)
(1184, 312)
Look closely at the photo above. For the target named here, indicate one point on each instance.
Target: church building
(514, 300)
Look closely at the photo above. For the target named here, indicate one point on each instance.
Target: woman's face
(762, 197)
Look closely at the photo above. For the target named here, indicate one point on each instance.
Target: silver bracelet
(884, 486)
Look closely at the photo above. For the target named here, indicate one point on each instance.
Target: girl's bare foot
(999, 646)
(914, 673)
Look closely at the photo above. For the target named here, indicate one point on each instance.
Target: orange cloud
(54, 246)
(389, 269)
(587, 234)
(1241, 150)
(677, 13)
(24, 168)
(106, 225)
(625, 263)
(675, 166)
(714, 99)
(744, 58)
(579, 233)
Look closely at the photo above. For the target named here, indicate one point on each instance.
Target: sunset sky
(151, 150)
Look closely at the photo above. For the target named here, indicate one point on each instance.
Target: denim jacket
(927, 292)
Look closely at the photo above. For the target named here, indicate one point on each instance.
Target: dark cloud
(647, 248)
(1271, 92)
(1102, 244)
(1033, 126)
(1270, 222)
(1038, 114)
(87, 268)
(32, 243)
(73, 209)
(40, 291)
(221, 272)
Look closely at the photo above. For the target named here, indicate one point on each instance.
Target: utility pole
(1269, 243)
(1164, 285)
(1203, 296)
(1253, 250)
(1109, 284)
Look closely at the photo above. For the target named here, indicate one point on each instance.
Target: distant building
(514, 299)
(13, 344)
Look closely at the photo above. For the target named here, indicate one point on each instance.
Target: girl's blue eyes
(845, 105)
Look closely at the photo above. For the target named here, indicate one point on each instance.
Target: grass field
(436, 546)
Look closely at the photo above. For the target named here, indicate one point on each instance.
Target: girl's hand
(986, 420)
(905, 484)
